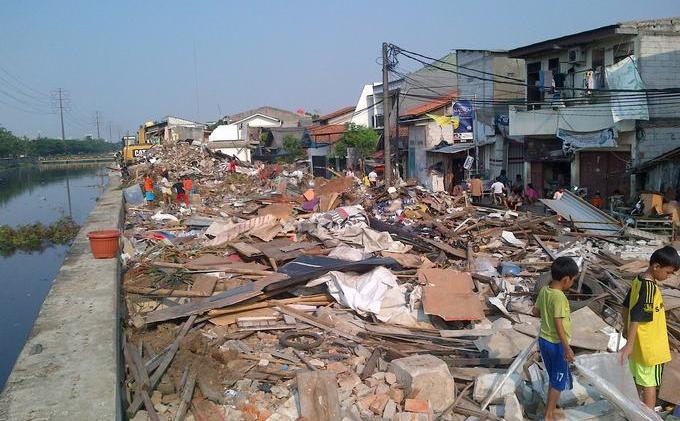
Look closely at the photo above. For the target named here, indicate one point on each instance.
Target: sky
(134, 61)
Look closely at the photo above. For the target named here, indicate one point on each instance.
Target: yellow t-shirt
(553, 304)
(645, 306)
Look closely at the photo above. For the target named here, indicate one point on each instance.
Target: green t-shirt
(553, 304)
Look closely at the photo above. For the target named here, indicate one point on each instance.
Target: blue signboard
(463, 110)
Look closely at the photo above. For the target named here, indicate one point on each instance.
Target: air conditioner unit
(576, 55)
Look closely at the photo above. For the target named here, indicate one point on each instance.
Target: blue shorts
(150, 196)
(557, 367)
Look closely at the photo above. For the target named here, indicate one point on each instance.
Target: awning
(672, 155)
(455, 148)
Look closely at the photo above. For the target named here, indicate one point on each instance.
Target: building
(428, 158)
(171, 129)
(253, 129)
(591, 114)
(495, 148)
(436, 151)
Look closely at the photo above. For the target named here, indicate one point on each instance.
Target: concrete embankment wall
(69, 366)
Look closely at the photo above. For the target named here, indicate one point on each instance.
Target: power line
(408, 54)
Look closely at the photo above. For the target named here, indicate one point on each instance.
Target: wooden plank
(461, 333)
(226, 298)
(164, 292)
(545, 248)
(318, 395)
(246, 250)
(187, 393)
(316, 322)
(455, 252)
(371, 364)
(165, 363)
(140, 383)
(204, 284)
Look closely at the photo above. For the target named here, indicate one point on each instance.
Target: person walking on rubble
(181, 193)
(188, 185)
(644, 317)
(552, 307)
(476, 189)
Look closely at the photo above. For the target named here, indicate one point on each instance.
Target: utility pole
(386, 118)
(96, 116)
(110, 136)
(61, 115)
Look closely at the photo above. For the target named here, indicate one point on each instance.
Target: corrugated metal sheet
(585, 217)
(455, 148)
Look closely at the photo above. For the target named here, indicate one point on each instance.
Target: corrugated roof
(430, 106)
(583, 215)
(337, 113)
(327, 129)
(455, 148)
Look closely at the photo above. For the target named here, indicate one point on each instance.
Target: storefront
(550, 167)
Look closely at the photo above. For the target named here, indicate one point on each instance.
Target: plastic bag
(615, 383)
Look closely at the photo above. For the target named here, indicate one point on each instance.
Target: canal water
(43, 194)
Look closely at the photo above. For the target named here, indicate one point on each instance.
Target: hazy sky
(134, 60)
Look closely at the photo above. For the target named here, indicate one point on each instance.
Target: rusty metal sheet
(449, 294)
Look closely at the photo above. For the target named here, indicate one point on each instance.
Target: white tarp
(626, 105)
(615, 383)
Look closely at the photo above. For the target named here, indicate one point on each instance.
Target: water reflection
(37, 194)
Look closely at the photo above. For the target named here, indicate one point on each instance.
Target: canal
(29, 194)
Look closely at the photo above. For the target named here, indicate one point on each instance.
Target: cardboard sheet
(449, 294)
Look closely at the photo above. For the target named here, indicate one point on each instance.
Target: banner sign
(578, 140)
(463, 110)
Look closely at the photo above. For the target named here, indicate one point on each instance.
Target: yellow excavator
(135, 147)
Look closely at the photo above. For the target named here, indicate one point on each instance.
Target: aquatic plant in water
(34, 237)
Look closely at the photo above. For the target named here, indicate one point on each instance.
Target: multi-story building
(599, 104)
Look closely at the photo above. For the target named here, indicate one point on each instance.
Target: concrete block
(378, 405)
(486, 382)
(390, 409)
(425, 377)
(397, 395)
(513, 410)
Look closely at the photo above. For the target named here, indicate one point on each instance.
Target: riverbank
(31, 160)
(68, 368)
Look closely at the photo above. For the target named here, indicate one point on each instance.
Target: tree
(293, 147)
(13, 146)
(364, 140)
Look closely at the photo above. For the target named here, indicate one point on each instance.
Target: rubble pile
(277, 296)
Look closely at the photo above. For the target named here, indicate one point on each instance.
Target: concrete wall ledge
(69, 366)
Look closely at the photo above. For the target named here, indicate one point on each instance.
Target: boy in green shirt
(552, 307)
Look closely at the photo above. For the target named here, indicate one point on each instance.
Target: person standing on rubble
(497, 189)
(181, 193)
(148, 190)
(552, 307)
(166, 188)
(373, 178)
(644, 317)
(476, 186)
(188, 185)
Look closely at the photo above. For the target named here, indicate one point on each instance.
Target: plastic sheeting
(615, 383)
(624, 75)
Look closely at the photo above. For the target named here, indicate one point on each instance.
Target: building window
(597, 62)
(623, 50)
(533, 80)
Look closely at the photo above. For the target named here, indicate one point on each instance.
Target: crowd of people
(515, 194)
(180, 189)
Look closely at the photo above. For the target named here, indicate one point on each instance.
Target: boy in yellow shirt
(644, 317)
(552, 307)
